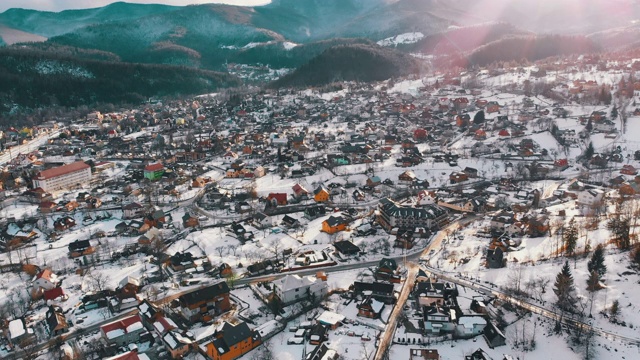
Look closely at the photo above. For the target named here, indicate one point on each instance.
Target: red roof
(154, 167)
(62, 170)
(45, 274)
(53, 293)
(280, 197)
(121, 324)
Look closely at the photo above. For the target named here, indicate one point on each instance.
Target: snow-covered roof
(471, 321)
(331, 318)
(114, 333)
(16, 328)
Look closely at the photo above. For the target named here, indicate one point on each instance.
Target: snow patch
(50, 67)
(406, 38)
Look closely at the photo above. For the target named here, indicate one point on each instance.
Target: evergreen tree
(570, 238)
(614, 311)
(596, 263)
(564, 288)
(614, 112)
(588, 153)
(593, 282)
(589, 126)
(479, 117)
(620, 230)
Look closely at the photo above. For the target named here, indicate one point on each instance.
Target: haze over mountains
(290, 33)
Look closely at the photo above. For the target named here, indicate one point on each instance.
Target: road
(28, 147)
(73, 334)
(567, 319)
(387, 337)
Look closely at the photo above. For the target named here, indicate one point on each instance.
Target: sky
(59, 5)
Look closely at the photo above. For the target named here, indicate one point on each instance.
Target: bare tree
(233, 249)
(220, 250)
(98, 281)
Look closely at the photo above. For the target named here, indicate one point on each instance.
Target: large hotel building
(63, 177)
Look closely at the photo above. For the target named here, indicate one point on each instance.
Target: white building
(292, 288)
(62, 177)
(591, 197)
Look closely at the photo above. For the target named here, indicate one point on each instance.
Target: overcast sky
(58, 5)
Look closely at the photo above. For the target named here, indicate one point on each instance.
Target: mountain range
(292, 33)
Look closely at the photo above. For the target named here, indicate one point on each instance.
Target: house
(495, 258)
(18, 332)
(370, 307)
(314, 212)
(346, 248)
(628, 170)
(153, 171)
(231, 341)
(590, 198)
(181, 261)
(458, 177)
(424, 354)
(318, 334)
(432, 293)
(407, 178)
(133, 210)
(438, 319)
(493, 336)
(471, 172)
(478, 355)
(380, 291)
(334, 224)
(45, 280)
(190, 221)
(123, 332)
(277, 199)
(290, 222)
(404, 240)
(470, 325)
(55, 293)
(80, 248)
(178, 343)
(47, 207)
(64, 223)
(293, 288)
(262, 220)
(56, 321)
(128, 287)
(373, 181)
(322, 352)
(209, 301)
(321, 194)
(330, 319)
(299, 192)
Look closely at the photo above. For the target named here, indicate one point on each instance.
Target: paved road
(387, 337)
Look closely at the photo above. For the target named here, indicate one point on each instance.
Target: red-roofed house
(62, 177)
(123, 332)
(54, 293)
(277, 198)
(46, 280)
(153, 171)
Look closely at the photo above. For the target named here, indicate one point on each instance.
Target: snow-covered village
(477, 214)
